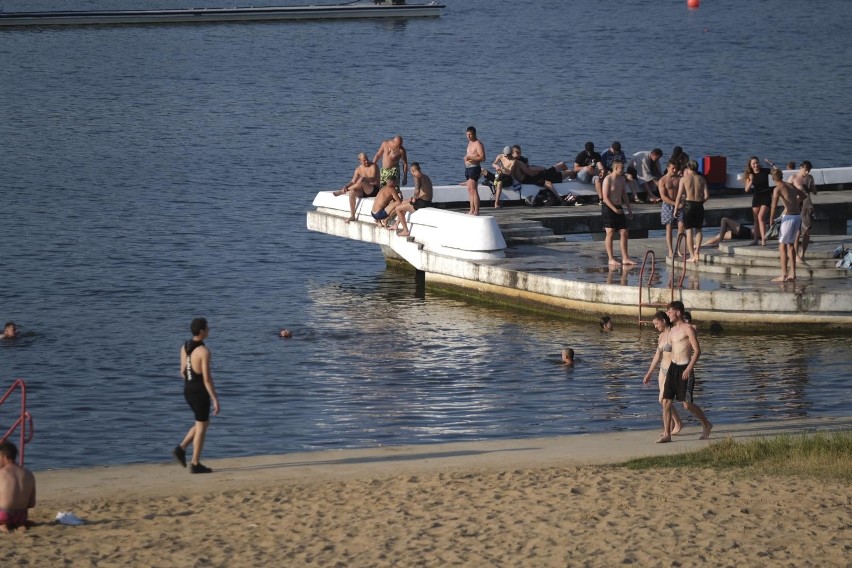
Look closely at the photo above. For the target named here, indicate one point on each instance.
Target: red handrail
(646, 285)
(25, 420)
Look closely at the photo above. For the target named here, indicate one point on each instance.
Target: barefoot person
(199, 392)
(792, 198)
(804, 181)
(668, 185)
(386, 203)
(473, 157)
(756, 180)
(680, 378)
(663, 356)
(392, 152)
(693, 190)
(729, 230)
(421, 199)
(364, 183)
(612, 213)
(17, 491)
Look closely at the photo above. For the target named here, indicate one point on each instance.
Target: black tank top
(189, 375)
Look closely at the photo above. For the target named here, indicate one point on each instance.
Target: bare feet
(350, 219)
(677, 429)
(339, 192)
(627, 262)
(754, 242)
(613, 262)
(780, 279)
(706, 433)
(403, 233)
(664, 439)
(791, 279)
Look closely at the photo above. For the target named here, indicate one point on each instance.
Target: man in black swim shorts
(680, 379)
(199, 392)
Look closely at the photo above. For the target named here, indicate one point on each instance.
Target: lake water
(150, 174)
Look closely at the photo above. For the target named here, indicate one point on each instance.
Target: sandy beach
(534, 502)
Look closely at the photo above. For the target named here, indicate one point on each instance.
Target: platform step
(761, 271)
(544, 240)
(766, 261)
(527, 232)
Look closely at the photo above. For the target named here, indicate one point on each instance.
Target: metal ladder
(645, 285)
(24, 419)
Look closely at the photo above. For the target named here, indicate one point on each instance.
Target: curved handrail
(24, 420)
(681, 238)
(643, 284)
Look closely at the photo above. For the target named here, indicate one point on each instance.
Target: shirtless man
(386, 203)
(17, 491)
(804, 181)
(10, 331)
(792, 198)
(668, 186)
(473, 157)
(612, 213)
(680, 378)
(500, 178)
(538, 175)
(364, 183)
(693, 189)
(392, 152)
(421, 199)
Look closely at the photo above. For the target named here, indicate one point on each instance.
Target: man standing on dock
(473, 157)
(680, 378)
(614, 198)
(392, 152)
(693, 190)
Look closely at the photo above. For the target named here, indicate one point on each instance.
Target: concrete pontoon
(520, 255)
(380, 9)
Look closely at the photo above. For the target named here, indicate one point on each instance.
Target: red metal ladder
(24, 419)
(645, 285)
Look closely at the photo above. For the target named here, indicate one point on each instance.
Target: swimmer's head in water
(286, 333)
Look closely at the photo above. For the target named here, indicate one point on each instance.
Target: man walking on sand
(199, 392)
(473, 157)
(680, 378)
(17, 491)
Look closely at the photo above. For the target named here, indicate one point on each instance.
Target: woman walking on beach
(663, 356)
(756, 180)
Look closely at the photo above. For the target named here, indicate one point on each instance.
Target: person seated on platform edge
(587, 164)
(421, 199)
(364, 183)
(386, 202)
(17, 491)
(644, 167)
(500, 178)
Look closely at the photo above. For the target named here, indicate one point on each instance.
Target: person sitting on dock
(364, 183)
(680, 158)
(392, 152)
(587, 164)
(804, 181)
(386, 203)
(792, 198)
(694, 192)
(614, 198)
(421, 199)
(729, 230)
(668, 185)
(645, 168)
(500, 178)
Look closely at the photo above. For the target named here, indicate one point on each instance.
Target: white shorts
(789, 233)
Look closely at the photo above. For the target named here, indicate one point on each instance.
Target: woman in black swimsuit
(756, 180)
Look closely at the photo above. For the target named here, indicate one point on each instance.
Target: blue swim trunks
(382, 214)
(473, 172)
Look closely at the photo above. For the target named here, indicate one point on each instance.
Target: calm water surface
(150, 174)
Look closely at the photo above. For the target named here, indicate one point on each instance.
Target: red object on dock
(716, 169)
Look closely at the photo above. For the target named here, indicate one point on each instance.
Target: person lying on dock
(392, 152)
(364, 183)
(421, 199)
(731, 230)
(386, 203)
(539, 175)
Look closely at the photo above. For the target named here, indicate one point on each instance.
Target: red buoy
(693, 4)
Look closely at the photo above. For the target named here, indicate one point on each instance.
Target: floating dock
(551, 259)
(384, 9)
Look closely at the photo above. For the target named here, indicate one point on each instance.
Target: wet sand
(534, 502)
